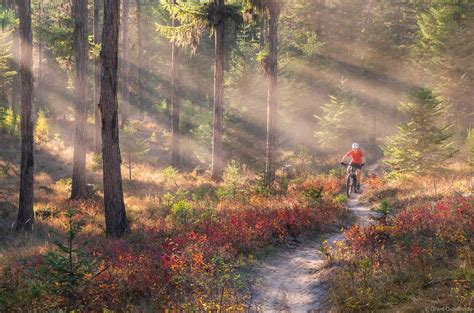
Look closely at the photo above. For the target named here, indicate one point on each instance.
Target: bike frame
(351, 179)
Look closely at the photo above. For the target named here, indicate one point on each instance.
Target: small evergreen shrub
(313, 195)
(67, 271)
(169, 199)
(233, 181)
(384, 209)
(169, 174)
(261, 187)
(97, 162)
(132, 146)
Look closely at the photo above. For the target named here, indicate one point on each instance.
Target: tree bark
(218, 111)
(40, 59)
(97, 68)
(80, 88)
(125, 63)
(139, 62)
(25, 217)
(115, 216)
(16, 61)
(175, 159)
(272, 75)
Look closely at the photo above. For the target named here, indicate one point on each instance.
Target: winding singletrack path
(293, 280)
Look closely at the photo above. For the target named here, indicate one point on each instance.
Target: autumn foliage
(418, 248)
(189, 260)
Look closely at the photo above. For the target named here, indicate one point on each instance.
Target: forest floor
(295, 279)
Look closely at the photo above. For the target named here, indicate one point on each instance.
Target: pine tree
(445, 51)
(217, 169)
(175, 149)
(140, 69)
(25, 217)
(81, 53)
(125, 63)
(97, 69)
(271, 69)
(7, 21)
(194, 19)
(338, 117)
(422, 144)
(115, 216)
(132, 145)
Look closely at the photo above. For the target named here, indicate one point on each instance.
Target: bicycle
(351, 185)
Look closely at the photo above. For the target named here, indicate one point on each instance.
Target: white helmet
(355, 145)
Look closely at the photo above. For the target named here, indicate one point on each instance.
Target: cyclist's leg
(358, 175)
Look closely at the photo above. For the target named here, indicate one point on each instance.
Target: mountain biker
(357, 160)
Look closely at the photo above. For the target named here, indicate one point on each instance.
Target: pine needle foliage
(9, 122)
(337, 118)
(422, 144)
(7, 22)
(195, 19)
(132, 145)
(67, 269)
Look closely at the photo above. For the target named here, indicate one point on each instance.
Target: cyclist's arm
(345, 156)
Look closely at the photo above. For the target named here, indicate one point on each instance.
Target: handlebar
(347, 164)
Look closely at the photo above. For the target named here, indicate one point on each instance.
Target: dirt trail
(293, 280)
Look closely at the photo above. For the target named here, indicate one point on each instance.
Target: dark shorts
(357, 166)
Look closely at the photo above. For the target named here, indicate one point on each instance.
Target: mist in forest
(364, 55)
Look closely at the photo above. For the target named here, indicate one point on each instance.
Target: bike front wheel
(349, 186)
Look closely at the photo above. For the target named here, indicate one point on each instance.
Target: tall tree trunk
(139, 62)
(25, 217)
(125, 63)
(16, 61)
(217, 149)
(262, 32)
(80, 88)
(97, 122)
(115, 216)
(40, 59)
(175, 159)
(272, 74)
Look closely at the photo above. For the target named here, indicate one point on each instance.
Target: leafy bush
(64, 183)
(340, 199)
(202, 247)
(9, 121)
(313, 195)
(201, 192)
(404, 257)
(338, 172)
(182, 213)
(42, 127)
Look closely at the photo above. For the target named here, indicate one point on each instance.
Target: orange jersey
(356, 156)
